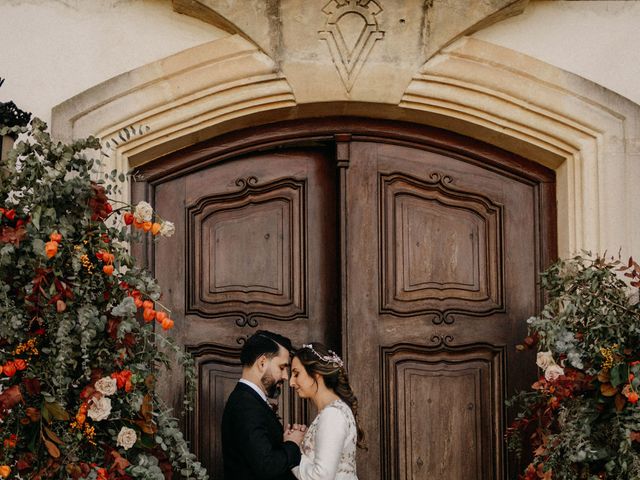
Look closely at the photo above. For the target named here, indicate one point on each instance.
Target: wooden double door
(415, 255)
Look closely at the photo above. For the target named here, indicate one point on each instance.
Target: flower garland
(581, 420)
(80, 323)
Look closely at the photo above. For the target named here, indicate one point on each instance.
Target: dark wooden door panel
(445, 282)
(255, 248)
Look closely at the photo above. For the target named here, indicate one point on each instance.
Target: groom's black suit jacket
(252, 445)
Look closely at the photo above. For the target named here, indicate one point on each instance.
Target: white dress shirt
(256, 388)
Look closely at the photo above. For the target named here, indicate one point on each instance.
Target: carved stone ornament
(350, 32)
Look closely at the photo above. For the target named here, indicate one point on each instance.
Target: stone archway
(588, 135)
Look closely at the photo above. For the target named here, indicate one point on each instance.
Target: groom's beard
(271, 385)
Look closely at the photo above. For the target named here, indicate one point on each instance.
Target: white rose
(544, 360)
(100, 408)
(126, 438)
(553, 372)
(107, 385)
(143, 212)
(167, 229)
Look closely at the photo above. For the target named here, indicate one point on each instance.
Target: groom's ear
(261, 362)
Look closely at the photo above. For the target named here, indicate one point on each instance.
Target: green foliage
(582, 419)
(79, 364)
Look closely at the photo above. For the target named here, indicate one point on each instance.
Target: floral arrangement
(81, 326)
(581, 420)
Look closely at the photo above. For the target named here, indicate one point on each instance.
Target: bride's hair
(317, 358)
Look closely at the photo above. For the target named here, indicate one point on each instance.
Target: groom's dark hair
(262, 342)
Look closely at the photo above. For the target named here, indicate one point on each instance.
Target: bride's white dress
(329, 446)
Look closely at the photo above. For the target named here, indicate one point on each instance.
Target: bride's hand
(298, 426)
(291, 435)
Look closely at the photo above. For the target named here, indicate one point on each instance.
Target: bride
(329, 444)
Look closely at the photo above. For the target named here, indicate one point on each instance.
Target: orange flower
(147, 304)
(155, 228)
(137, 301)
(123, 379)
(137, 224)
(20, 364)
(160, 316)
(5, 471)
(9, 369)
(633, 397)
(108, 257)
(102, 474)
(167, 324)
(128, 218)
(146, 226)
(11, 442)
(149, 314)
(81, 416)
(108, 269)
(51, 248)
(55, 237)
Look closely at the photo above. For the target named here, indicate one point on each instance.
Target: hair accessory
(331, 358)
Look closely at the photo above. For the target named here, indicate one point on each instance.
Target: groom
(253, 442)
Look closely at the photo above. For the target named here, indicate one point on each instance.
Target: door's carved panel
(441, 249)
(442, 404)
(218, 370)
(245, 253)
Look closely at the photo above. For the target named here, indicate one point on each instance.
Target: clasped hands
(294, 433)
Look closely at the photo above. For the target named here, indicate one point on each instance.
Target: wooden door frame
(337, 133)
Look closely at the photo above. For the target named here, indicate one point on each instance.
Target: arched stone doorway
(412, 250)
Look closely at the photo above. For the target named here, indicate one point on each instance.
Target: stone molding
(177, 98)
(587, 134)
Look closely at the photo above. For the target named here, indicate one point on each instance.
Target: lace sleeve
(329, 442)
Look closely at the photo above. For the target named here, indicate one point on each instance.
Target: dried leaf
(51, 448)
(56, 411)
(620, 402)
(51, 434)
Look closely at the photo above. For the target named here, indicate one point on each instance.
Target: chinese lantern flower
(20, 364)
(633, 397)
(55, 237)
(128, 218)
(155, 228)
(149, 314)
(5, 471)
(51, 248)
(146, 226)
(9, 369)
(108, 269)
(167, 324)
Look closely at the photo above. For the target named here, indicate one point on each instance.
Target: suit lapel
(260, 400)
